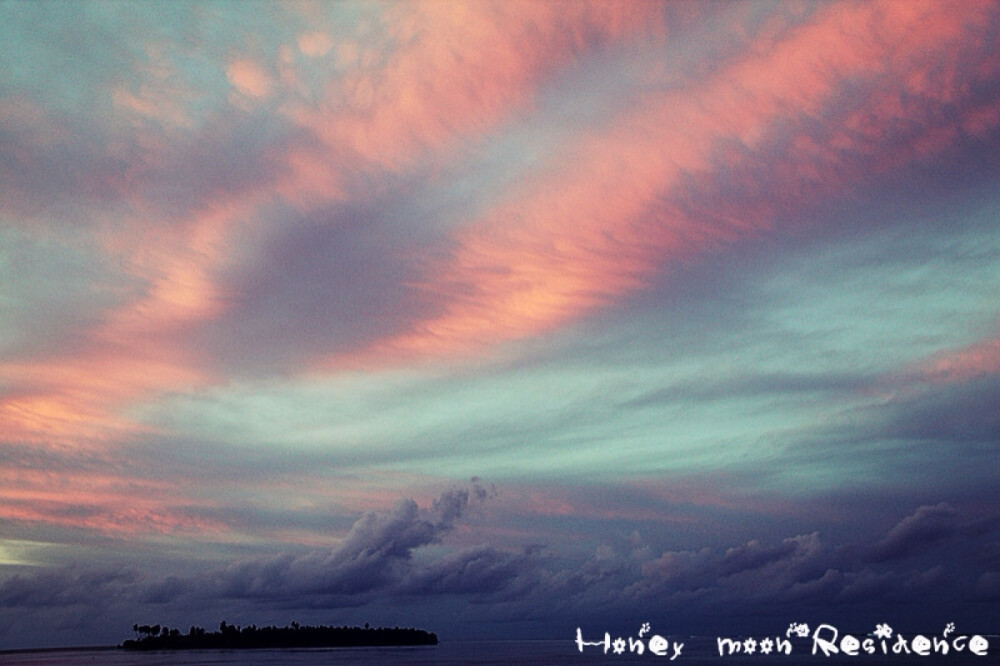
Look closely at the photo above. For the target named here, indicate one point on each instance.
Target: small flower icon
(800, 630)
(766, 646)
(619, 645)
(749, 646)
(883, 631)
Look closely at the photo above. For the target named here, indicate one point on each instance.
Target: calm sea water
(696, 652)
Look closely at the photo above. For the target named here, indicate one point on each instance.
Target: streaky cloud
(618, 209)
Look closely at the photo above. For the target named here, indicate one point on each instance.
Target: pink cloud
(803, 112)
(141, 347)
(75, 400)
(976, 360)
(459, 69)
(106, 504)
(315, 44)
(137, 350)
(249, 78)
(617, 207)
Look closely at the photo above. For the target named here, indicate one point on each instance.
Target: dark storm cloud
(479, 570)
(868, 586)
(70, 586)
(377, 553)
(378, 556)
(750, 569)
(754, 555)
(927, 526)
(804, 573)
(394, 558)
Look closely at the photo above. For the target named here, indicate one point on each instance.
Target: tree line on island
(228, 637)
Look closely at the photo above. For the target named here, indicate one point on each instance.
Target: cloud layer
(392, 556)
(709, 289)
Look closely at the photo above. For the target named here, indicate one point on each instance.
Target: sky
(499, 319)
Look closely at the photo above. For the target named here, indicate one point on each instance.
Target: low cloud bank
(400, 559)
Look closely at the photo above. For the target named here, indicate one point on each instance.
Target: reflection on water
(698, 651)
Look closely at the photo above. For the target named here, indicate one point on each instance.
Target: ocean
(697, 651)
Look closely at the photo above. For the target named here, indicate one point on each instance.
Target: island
(232, 637)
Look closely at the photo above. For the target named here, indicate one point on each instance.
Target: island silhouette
(232, 637)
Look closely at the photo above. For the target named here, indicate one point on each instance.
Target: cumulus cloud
(749, 570)
(927, 526)
(377, 553)
(383, 555)
(479, 570)
(400, 556)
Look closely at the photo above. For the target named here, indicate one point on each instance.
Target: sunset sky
(498, 318)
